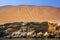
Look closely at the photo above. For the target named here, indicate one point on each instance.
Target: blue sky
(55, 3)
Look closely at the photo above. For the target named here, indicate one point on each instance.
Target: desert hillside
(29, 13)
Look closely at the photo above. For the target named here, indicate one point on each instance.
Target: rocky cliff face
(29, 13)
(24, 29)
(28, 28)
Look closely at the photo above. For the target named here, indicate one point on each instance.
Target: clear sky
(55, 3)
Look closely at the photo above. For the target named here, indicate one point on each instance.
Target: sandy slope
(29, 13)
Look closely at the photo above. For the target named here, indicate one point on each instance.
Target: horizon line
(30, 5)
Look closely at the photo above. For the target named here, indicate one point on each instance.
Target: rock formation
(30, 29)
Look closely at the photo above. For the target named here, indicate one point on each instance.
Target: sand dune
(29, 13)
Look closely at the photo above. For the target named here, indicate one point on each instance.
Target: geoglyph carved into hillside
(29, 13)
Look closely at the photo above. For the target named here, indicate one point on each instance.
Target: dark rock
(2, 34)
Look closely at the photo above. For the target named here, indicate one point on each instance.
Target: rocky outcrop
(24, 29)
